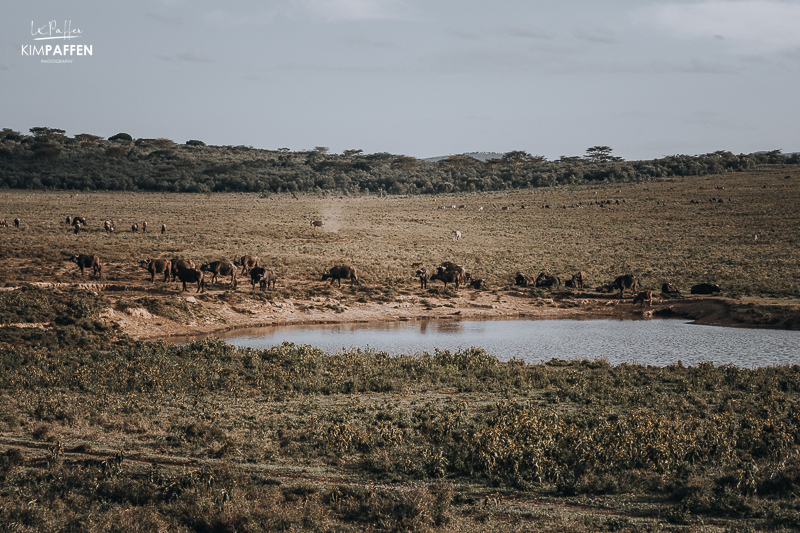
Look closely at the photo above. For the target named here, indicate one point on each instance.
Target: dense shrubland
(122, 435)
(48, 159)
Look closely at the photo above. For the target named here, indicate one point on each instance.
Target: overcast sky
(415, 77)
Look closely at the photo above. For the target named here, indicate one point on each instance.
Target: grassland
(102, 432)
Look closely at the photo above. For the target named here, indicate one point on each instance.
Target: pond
(657, 342)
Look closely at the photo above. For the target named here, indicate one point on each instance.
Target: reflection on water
(654, 342)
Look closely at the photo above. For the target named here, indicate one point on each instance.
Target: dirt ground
(339, 307)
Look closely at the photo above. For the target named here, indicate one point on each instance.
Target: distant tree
(322, 150)
(516, 159)
(404, 162)
(600, 154)
(120, 137)
(46, 151)
(10, 135)
(351, 153)
(41, 132)
(194, 142)
(284, 150)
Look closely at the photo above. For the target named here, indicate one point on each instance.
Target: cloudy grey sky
(415, 77)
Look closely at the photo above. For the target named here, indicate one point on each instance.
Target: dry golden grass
(746, 243)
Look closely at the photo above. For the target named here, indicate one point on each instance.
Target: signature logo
(52, 30)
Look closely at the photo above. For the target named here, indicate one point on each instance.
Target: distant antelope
(456, 235)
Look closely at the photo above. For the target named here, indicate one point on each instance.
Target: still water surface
(651, 342)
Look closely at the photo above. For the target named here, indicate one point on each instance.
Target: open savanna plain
(104, 428)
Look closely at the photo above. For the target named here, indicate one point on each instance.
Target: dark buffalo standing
(256, 273)
(247, 262)
(644, 296)
(523, 279)
(423, 276)
(192, 275)
(78, 221)
(157, 266)
(578, 279)
(628, 281)
(317, 224)
(705, 288)
(449, 276)
(135, 228)
(669, 288)
(338, 273)
(88, 261)
(17, 222)
(108, 226)
(144, 227)
(220, 268)
(163, 229)
(178, 265)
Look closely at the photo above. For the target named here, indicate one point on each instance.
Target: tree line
(49, 159)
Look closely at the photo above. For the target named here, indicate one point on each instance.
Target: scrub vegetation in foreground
(133, 436)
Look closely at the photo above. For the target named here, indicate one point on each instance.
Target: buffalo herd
(184, 271)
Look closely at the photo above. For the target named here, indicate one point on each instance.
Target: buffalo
(88, 261)
(628, 281)
(669, 288)
(267, 278)
(578, 279)
(108, 226)
(424, 276)
(247, 262)
(478, 283)
(547, 280)
(163, 229)
(192, 275)
(256, 273)
(157, 266)
(449, 276)
(17, 223)
(317, 224)
(523, 279)
(178, 265)
(644, 296)
(705, 288)
(338, 273)
(220, 268)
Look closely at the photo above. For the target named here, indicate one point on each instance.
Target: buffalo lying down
(705, 288)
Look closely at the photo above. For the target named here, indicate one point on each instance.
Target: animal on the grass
(180, 264)
(88, 261)
(547, 280)
(705, 288)
(578, 279)
(267, 278)
(220, 268)
(338, 273)
(627, 281)
(192, 275)
(456, 235)
(644, 296)
(247, 262)
(157, 266)
(423, 276)
(523, 280)
(317, 224)
(669, 288)
(449, 276)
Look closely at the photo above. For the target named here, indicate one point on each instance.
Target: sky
(422, 78)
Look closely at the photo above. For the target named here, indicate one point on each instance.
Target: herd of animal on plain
(185, 271)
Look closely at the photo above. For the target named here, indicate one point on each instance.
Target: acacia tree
(600, 154)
